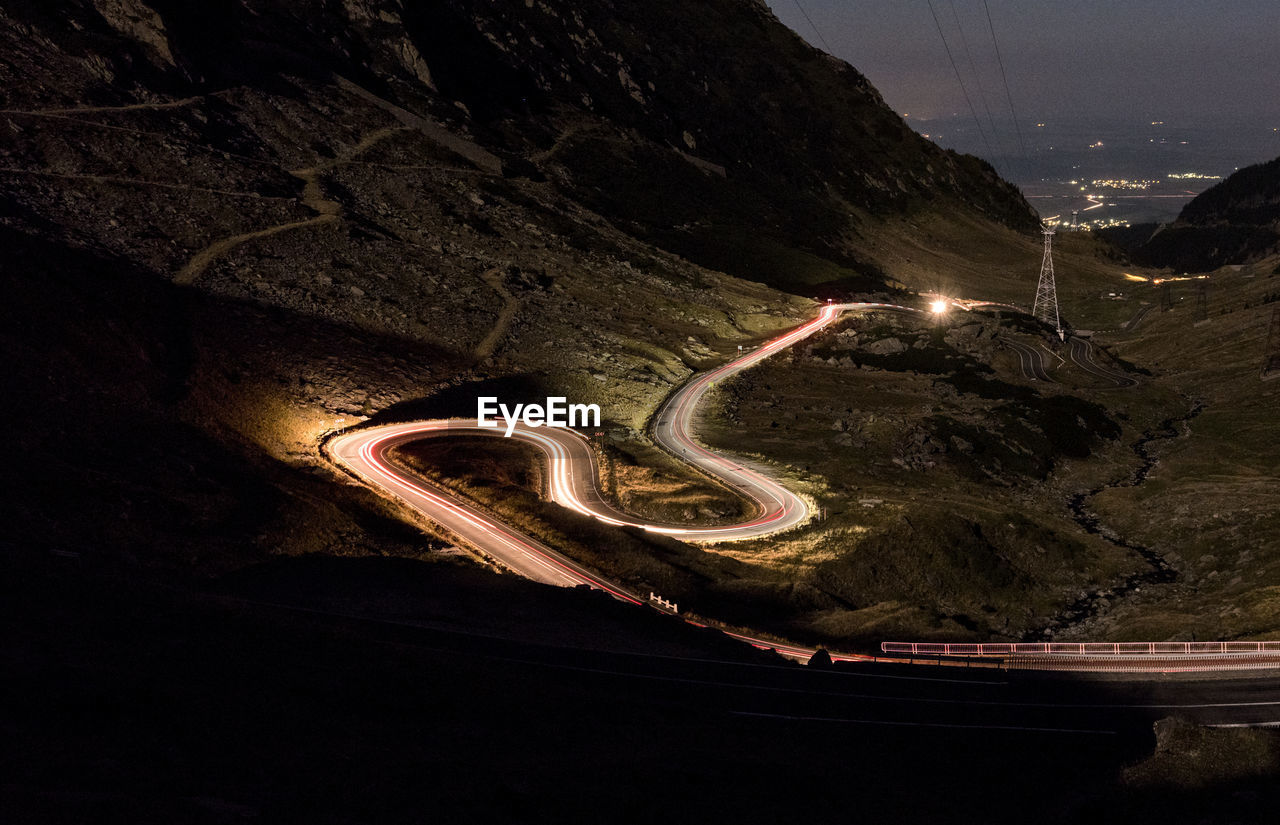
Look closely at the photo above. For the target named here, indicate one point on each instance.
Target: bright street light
(938, 307)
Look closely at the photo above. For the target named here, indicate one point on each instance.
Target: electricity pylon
(1271, 361)
(1046, 305)
(1202, 304)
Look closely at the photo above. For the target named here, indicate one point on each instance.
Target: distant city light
(1087, 225)
(1123, 183)
(1158, 281)
(1192, 176)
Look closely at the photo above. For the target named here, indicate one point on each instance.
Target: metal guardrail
(1076, 648)
(669, 605)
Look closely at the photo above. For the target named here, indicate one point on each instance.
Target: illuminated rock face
(136, 20)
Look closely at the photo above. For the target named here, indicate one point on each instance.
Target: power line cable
(977, 76)
(1022, 143)
(960, 79)
(821, 39)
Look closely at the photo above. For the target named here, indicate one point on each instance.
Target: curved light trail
(1031, 361)
(573, 480)
(1081, 354)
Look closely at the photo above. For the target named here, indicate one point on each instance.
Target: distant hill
(1235, 222)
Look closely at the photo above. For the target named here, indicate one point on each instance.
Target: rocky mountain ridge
(1236, 222)
(683, 121)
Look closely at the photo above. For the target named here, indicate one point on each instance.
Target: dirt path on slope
(159, 184)
(510, 305)
(313, 197)
(482, 158)
(89, 110)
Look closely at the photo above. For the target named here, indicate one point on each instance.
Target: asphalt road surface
(1081, 353)
(1031, 361)
(365, 453)
(869, 694)
(573, 479)
(1138, 317)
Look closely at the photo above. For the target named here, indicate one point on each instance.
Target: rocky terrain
(1209, 500)
(939, 469)
(234, 227)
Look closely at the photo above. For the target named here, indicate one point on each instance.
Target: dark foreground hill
(208, 709)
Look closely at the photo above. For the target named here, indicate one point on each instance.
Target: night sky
(1075, 59)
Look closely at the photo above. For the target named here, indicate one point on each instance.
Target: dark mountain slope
(1235, 222)
(233, 223)
(690, 122)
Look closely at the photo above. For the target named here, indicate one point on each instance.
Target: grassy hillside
(1211, 503)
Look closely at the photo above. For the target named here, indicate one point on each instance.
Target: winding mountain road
(1031, 361)
(1081, 354)
(573, 482)
(573, 478)
(1137, 317)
